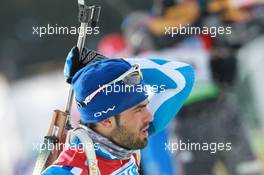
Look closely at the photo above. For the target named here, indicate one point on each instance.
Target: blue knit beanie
(105, 105)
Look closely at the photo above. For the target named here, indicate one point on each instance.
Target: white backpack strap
(82, 134)
(138, 157)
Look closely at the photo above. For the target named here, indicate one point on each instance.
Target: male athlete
(121, 102)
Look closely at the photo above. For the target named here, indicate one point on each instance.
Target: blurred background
(226, 105)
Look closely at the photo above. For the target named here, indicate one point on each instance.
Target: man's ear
(109, 123)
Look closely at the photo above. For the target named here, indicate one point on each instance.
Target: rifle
(60, 124)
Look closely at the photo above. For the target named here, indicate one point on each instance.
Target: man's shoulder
(72, 157)
(70, 162)
(63, 170)
(73, 162)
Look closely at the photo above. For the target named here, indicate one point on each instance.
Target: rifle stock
(58, 129)
(54, 141)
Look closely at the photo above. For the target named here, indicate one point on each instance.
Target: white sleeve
(175, 81)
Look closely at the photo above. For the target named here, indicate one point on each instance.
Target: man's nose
(148, 116)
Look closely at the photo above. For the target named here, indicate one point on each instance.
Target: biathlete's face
(131, 130)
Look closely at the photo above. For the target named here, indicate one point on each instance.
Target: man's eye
(139, 110)
(142, 109)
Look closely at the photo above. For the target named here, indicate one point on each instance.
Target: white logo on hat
(99, 114)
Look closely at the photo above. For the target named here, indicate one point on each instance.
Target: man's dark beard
(127, 139)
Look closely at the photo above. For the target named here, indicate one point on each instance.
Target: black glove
(74, 62)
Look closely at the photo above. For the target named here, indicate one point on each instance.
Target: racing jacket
(73, 162)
